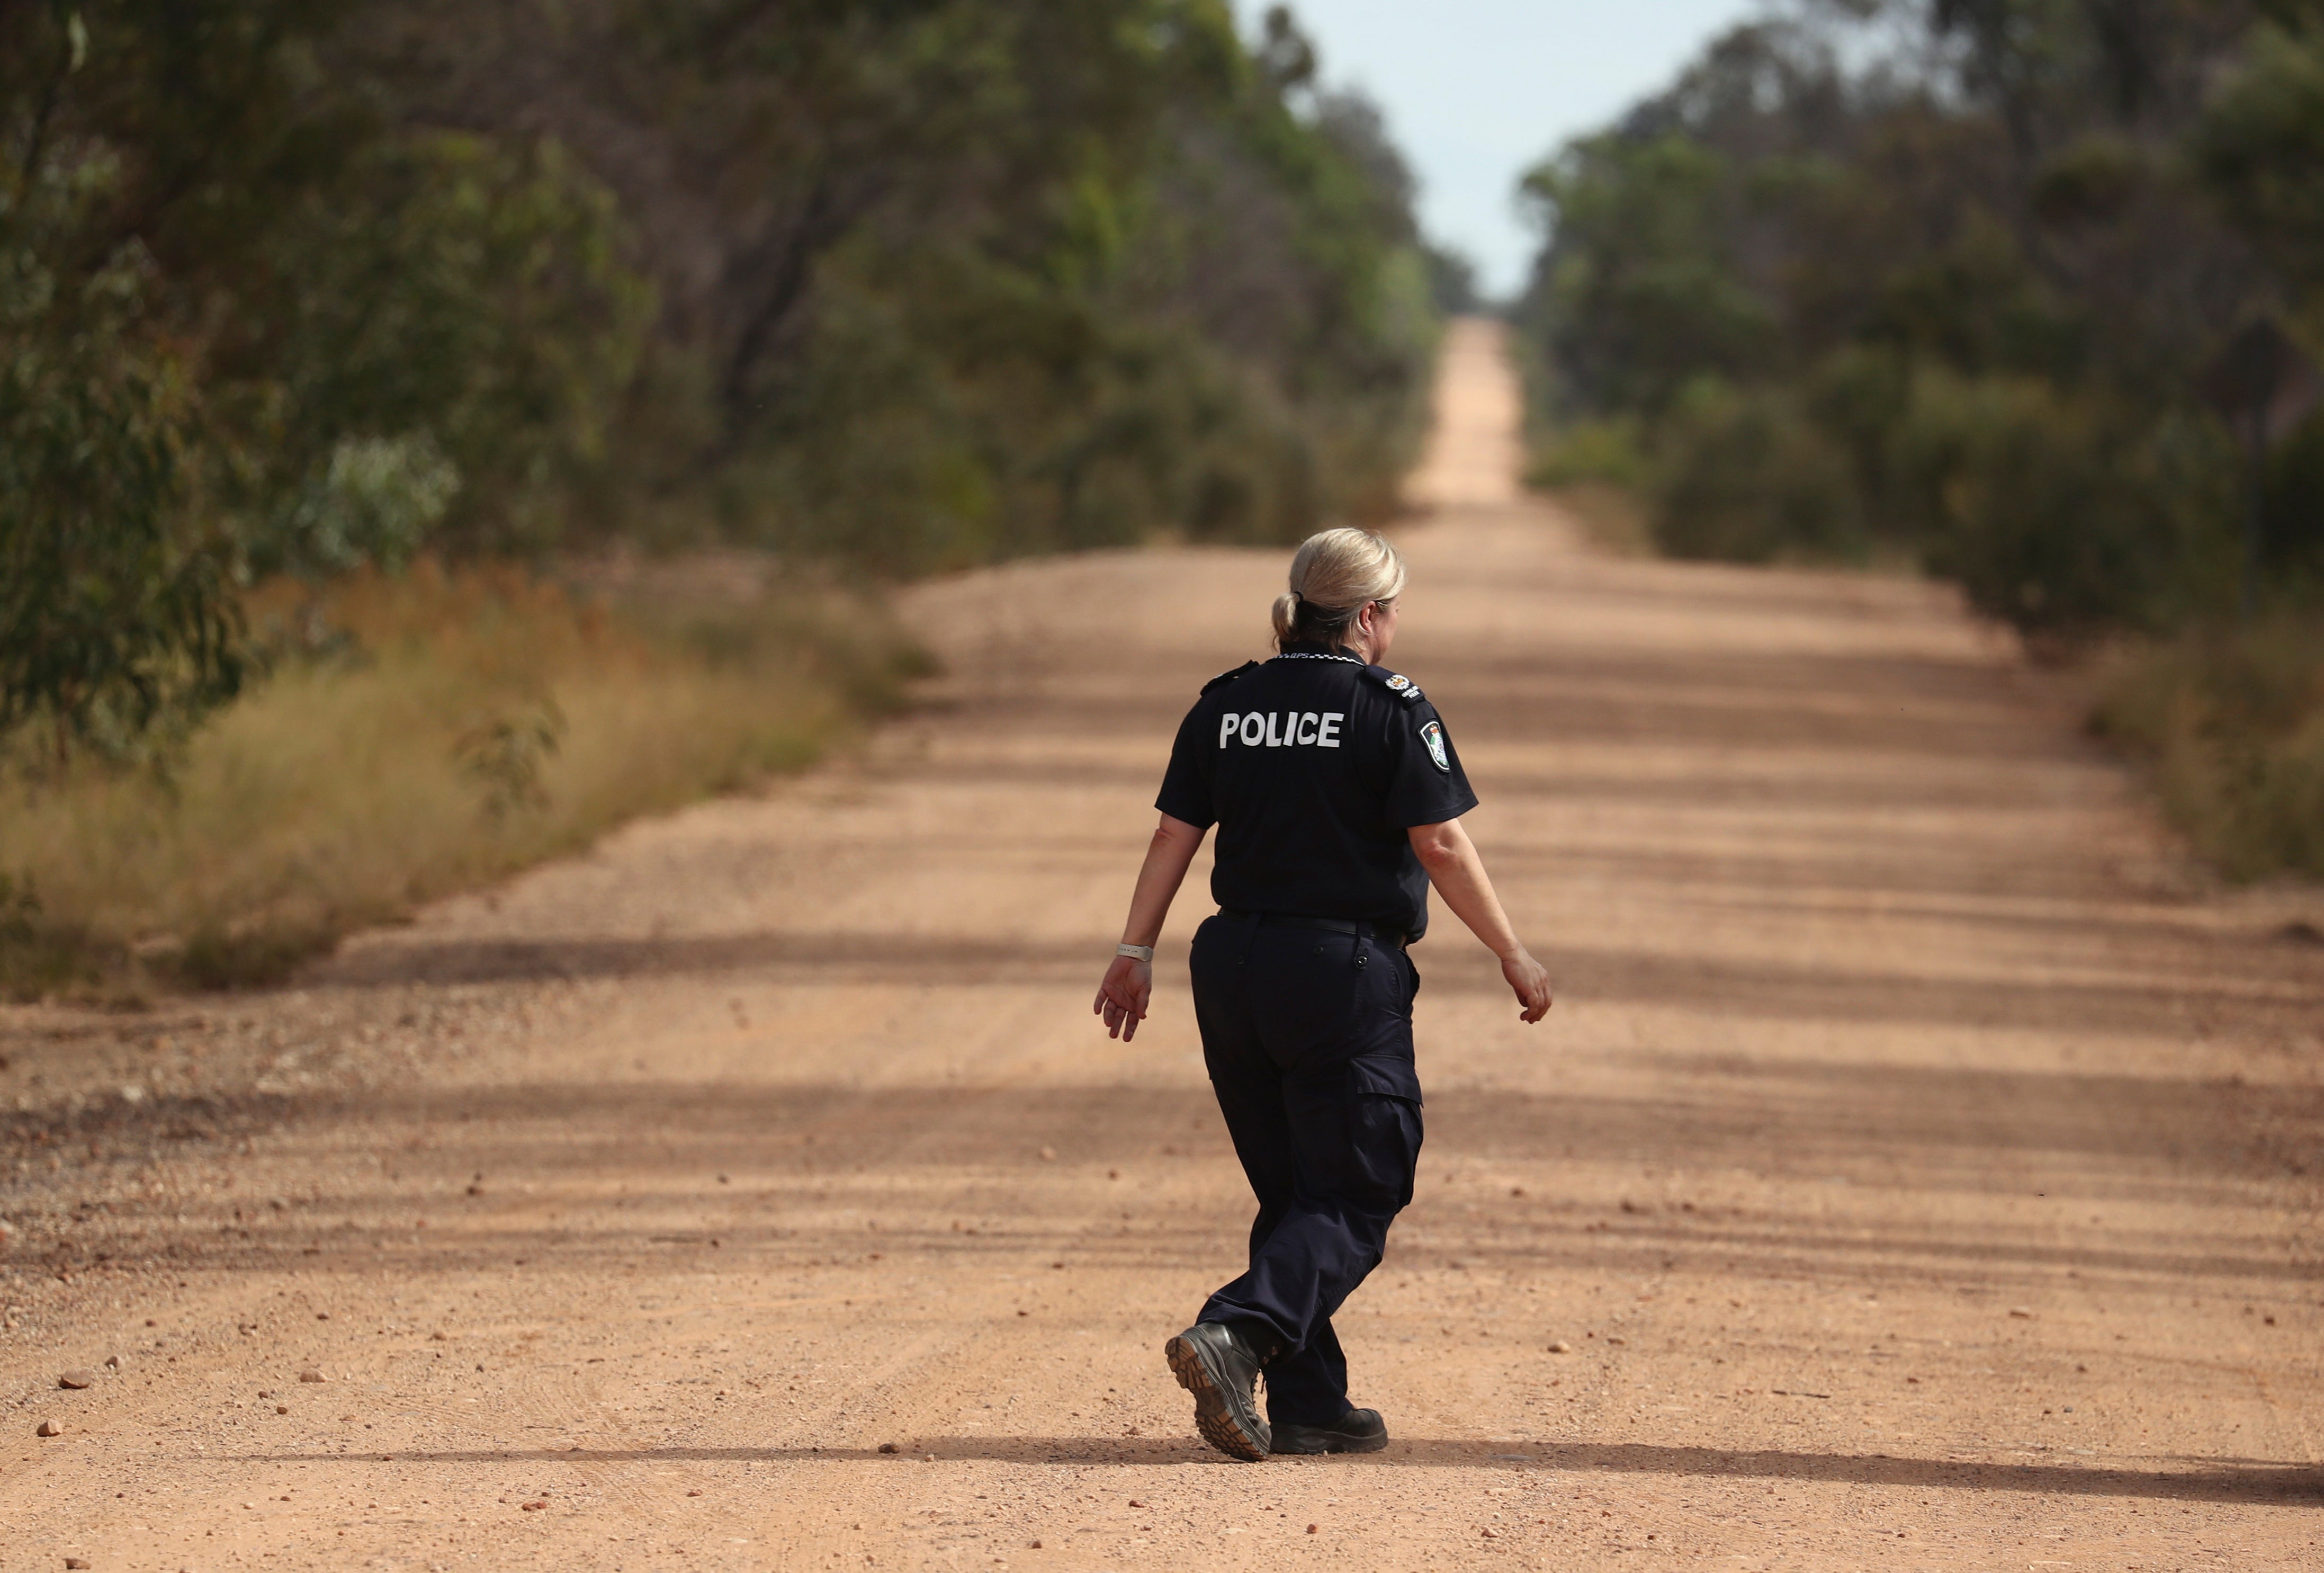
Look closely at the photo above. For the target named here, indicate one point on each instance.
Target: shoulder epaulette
(1395, 682)
(1227, 677)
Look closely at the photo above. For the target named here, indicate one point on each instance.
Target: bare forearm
(1168, 858)
(1128, 985)
(1458, 875)
(1460, 878)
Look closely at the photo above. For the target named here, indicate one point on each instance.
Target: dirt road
(1919, 1170)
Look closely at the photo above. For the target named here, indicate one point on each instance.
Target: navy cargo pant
(1308, 1037)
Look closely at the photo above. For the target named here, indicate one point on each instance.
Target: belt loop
(1250, 933)
(1364, 946)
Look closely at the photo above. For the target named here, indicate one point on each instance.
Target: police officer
(1338, 796)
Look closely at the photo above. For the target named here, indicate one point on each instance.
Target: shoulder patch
(1433, 736)
(1395, 682)
(1225, 678)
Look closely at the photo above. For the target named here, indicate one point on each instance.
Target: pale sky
(1476, 91)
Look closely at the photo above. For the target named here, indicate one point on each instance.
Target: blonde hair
(1334, 574)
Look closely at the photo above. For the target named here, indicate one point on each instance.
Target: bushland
(1974, 290)
(331, 331)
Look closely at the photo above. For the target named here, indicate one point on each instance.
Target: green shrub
(1607, 451)
(2064, 517)
(1744, 477)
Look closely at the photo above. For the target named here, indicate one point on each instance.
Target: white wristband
(1135, 952)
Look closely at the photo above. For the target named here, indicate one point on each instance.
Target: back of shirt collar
(1314, 650)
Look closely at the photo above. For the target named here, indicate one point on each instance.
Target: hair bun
(1287, 614)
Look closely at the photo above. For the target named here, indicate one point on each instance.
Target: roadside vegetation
(333, 331)
(415, 733)
(1951, 283)
(2232, 725)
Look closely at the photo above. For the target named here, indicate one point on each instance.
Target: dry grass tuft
(418, 734)
(2232, 725)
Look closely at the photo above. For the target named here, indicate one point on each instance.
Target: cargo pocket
(1383, 1076)
(1384, 1132)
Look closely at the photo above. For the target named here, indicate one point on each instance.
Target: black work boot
(1360, 1431)
(1219, 1367)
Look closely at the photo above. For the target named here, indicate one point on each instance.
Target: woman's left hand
(1122, 997)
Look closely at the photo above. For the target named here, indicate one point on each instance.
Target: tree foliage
(943, 280)
(296, 286)
(1939, 277)
(115, 601)
(250, 319)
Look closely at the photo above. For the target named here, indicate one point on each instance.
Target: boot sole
(1301, 1445)
(1214, 1417)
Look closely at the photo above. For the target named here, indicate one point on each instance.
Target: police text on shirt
(1282, 729)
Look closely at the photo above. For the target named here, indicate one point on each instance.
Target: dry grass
(419, 734)
(2232, 725)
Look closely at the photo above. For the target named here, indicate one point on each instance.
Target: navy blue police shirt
(1314, 765)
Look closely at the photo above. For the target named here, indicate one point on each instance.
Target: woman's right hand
(1530, 980)
(1123, 996)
